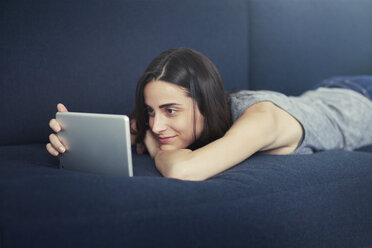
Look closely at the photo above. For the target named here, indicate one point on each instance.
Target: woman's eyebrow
(168, 105)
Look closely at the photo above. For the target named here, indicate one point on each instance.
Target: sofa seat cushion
(280, 200)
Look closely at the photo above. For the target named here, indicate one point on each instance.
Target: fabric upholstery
(89, 55)
(296, 44)
(268, 200)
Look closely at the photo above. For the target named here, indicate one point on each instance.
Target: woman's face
(172, 115)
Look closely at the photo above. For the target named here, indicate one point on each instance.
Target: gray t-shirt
(332, 118)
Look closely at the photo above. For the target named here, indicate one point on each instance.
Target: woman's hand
(151, 143)
(55, 147)
(140, 147)
(172, 163)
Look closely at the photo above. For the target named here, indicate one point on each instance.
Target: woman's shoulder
(252, 94)
(242, 99)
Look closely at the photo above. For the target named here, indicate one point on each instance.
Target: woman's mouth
(166, 140)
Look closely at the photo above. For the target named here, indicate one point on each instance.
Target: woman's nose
(159, 124)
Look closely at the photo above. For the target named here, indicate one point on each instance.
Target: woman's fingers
(61, 108)
(140, 148)
(54, 125)
(132, 139)
(151, 144)
(56, 143)
(51, 150)
(55, 147)
(133, 131)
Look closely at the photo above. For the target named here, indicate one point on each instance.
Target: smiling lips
(166, 140)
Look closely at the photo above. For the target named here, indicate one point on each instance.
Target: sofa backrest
(90, 54)
(296, 44)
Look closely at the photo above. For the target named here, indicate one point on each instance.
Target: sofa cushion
(268, 200)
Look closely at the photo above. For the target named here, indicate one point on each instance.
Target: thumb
(61, 108)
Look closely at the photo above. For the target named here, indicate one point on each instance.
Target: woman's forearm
(174, 164)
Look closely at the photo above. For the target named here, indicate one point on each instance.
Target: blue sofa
(89, 56)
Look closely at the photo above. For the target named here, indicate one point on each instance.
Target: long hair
(199, 76)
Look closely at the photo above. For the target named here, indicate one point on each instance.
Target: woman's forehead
(161, 92)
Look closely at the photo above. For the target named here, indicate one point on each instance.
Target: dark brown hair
(202, 81)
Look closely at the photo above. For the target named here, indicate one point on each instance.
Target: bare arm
(262, 127)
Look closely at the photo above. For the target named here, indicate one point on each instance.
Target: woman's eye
(171, 111)
(150, 111)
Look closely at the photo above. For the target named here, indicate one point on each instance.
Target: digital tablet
(96, 143)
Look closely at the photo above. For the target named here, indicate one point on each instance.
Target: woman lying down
(194, 130)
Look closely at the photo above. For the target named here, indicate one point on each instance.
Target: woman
(193, 130)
